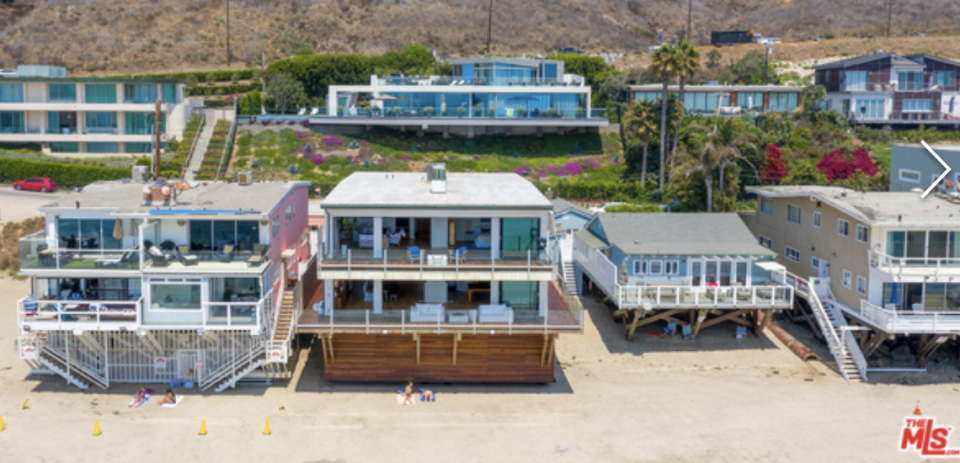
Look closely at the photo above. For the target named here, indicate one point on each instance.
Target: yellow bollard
(283, 407)
(203, 427)
(25, 406)
(1, 423)
(96, 428)
(266, 429)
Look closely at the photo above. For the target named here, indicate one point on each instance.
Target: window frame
(909, 172)
(764, 201)
(790, 209)
(859, 280)
(866, 232)
(786, 253)
(769, 241)
(640, 267)
(815, 262)
(841, 222)
(847, 280)
(817, 219)
(653, 262)
(674, 263)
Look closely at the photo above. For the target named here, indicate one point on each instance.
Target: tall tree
(639, 126)
(722, 144)
(665, 63)
(703, 161)
(688, 63)
(285, 90)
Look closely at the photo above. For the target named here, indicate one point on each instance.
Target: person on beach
(141, 397)
(169, 398)
(408, 394)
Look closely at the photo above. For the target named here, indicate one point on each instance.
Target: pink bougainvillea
(836, 165)
(775, 170)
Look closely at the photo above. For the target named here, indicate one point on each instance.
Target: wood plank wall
(480, 359)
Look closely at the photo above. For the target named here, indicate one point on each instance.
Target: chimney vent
(438, 178)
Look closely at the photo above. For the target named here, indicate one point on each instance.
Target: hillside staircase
(833, 326)
(200, 150)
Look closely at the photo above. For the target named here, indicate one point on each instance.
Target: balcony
(54, 314)
(461, 81)
(563, 314)
(700, 297)
(897, 321)
(37, 252)
(918, 267)
(397, 112)
(435, 263)
(205, 261)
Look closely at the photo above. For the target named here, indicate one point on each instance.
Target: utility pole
(156, 142)
(228, 33)
(489, 24)
(689, 18)
(766, 61)
(889, 15)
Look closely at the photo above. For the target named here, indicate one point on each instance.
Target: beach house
(689, 268)
(166, 282)
(439, 277)
(870, 267)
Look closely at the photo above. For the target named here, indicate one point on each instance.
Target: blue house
(568, 217)
(656, 266)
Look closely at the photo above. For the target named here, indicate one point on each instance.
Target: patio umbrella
(623, 272)
(118, 230)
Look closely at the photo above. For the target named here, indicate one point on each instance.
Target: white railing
(73, 368)
(367, 321)
(427, 261)
(57, 312)
(908, 321)
(596, 264)
(717, 297)
(895, 265)
(233, 366)
(830, 334)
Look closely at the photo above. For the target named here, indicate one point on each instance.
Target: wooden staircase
(284, 328)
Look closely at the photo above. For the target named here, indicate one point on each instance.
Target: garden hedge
(66, 175)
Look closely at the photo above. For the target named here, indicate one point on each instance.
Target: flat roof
(494, 59)
(883, 208)
(87, 80)
(718, 88)
(411, 190)
(126, 197)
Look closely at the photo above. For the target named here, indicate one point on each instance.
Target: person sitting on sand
(408, 394)
(142, 396)
(426, 395)
(169, 398)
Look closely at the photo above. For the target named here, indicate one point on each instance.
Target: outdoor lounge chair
(259, 254)
(458, 252)
(185, 257)
(226, 255)
(413, 253)
(159, 258)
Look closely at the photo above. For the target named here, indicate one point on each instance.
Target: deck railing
(40, 252)
(40, 313)
(429, 260)
(905, 321)
(716, 297)
(895, 265)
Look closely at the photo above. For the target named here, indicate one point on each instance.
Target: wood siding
(487, 358)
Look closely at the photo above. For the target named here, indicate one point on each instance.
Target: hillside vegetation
(97, 36)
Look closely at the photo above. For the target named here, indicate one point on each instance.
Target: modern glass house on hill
(40, 104)
(484, 96)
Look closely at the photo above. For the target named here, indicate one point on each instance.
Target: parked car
(42, 184)
(565, 50)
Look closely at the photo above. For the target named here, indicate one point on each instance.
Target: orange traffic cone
(916, 411)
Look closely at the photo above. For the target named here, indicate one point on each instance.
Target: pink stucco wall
(290, 236)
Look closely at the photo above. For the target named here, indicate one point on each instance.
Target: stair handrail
(826, 327)
(80, 368)
(233, 366)
(249, 361)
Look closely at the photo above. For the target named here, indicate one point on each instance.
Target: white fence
(895, 321)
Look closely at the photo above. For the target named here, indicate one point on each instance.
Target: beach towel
(146, 398)
(179, 400)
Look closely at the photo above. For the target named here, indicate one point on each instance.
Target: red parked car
(42, 184)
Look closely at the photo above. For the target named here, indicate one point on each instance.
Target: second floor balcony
(914, 265)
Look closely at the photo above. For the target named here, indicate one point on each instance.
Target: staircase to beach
(196, 157)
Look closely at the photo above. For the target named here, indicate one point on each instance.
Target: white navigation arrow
(941, 177)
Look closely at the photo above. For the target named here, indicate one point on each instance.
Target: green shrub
(66, 175)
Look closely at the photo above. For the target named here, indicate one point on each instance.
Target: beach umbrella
(118, 230)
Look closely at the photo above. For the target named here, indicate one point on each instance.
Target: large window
(520, 294)
(64, 147)
(946, 78)
(101, 122)
(207, 235)
(92, 234)
(143, 123)
(11, 93)
(167, 296)
(647, 96)
(100, 93)
(766, 205)
(170, 93)
(139, 93)
(103, 147)
(63, 92)
(921, 246)
(132, 147)
(11, 122)
(518, 237)
(63, 122)
(703, 102)
(870, 109)
(750, 100)
(914, 105)
(782, 102)
(910, 80)
(855, 80)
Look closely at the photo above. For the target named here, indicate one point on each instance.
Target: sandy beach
(713, 399)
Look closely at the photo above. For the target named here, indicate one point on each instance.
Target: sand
(713, 399)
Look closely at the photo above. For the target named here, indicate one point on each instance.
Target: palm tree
(665, 65)
(722, 145)
(704, 161)
(688, 63)
(639, 125)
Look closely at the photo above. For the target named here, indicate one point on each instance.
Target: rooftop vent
(245, 177)
(140, 173)
(437, 175)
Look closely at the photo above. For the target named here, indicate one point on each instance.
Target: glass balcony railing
(473, 113)
(436, 259)
(461, 80)
(40, 253)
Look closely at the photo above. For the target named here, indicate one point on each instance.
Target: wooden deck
(479, 358)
